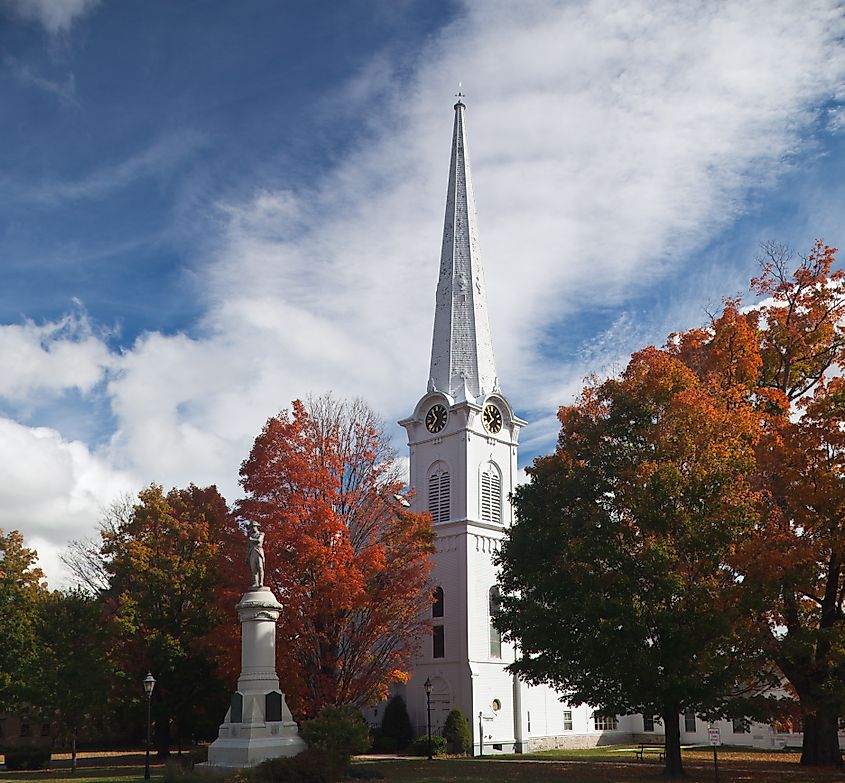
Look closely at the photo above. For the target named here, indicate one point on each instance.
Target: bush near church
(420, 746)
(456, 732)
(339, 732)
(396, 725)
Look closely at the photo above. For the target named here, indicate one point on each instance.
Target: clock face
(492, 418)
(435, 419)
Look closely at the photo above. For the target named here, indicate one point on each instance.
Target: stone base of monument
(258, 725)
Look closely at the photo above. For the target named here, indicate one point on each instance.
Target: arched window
(491, 494)
(494, 602)
(438, 494)
(437, 606)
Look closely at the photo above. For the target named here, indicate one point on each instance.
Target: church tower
(463, 437)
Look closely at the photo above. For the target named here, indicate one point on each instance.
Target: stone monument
(258, 725)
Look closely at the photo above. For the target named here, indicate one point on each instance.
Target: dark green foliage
(21, 588)
(382, 743)
(457, 734)
(71, 680)
(310, 766)
(420, 746)
(340, 732)
(28, 758)
(397, 724)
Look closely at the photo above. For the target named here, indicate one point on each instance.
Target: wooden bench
(645, 748)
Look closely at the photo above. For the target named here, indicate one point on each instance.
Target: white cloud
(608, 141)
(56, 16)
(51, 357)
(52, 489)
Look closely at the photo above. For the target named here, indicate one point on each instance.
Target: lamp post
(427, 686)
(149, 684)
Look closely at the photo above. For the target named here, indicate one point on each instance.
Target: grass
(83, 775)
(589, 771)
(597, 765)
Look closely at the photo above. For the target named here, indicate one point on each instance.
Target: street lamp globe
(149, 684)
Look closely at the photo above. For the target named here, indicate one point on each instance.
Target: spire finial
(460, 96)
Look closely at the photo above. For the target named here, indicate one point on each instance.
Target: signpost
(714, 736)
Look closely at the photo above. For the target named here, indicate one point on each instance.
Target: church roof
(462, 363)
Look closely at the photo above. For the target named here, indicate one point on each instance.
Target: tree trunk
(674, 768)
(821, 741)
(73, 752)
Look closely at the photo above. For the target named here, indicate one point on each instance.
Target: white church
(463, 436)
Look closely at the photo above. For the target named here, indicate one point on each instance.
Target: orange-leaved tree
(345, 557)
(617, 578)
(798, 554)
(783, 357)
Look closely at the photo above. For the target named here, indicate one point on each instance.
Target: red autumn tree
(782, 356)
(347, 560)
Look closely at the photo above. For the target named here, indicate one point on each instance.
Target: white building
(463, 435)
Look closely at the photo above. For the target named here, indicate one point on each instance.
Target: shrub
(397, 724)
(28, 758)
(341, 732)
(456, 732)
(420, 746)
(383, 743)
(310, 766)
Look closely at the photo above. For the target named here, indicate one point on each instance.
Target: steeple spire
(462, 363)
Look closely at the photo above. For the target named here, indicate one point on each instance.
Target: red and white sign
(714, 735)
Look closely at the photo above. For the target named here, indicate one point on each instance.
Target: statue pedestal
(258, 725)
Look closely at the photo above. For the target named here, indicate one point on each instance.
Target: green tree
(163, 566)
(73, 675)
(616, 576)
(21, 589)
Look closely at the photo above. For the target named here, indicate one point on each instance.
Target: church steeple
(462, 363)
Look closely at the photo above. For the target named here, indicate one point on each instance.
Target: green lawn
(83, 775)
(601, 765)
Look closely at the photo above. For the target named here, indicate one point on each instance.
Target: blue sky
(208, 209)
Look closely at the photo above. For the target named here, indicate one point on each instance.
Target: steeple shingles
(462, 363)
